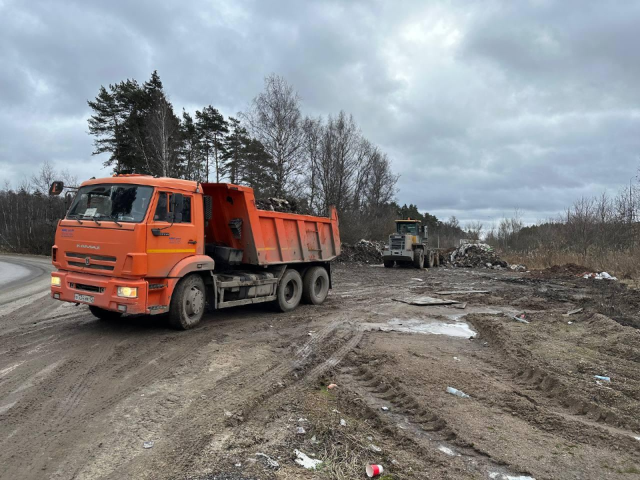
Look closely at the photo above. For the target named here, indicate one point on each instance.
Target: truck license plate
(83, 298)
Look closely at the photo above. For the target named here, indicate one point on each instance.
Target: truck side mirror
(176, 205)
(426, 232)
(56, 188)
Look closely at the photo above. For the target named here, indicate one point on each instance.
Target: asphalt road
(23, 276)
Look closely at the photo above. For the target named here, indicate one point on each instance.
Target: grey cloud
(483, 107)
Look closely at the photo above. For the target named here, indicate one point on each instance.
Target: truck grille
(86, 288)
(397, 243)
(95, 266)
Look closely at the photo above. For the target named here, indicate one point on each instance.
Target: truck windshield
(408, 228)
(123, 203)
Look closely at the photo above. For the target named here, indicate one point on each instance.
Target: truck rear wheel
(315, 286)
(389, 263)
(418, 259)
(103, 314)
(187, 303)
(289, 291)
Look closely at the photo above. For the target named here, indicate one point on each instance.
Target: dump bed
(267, 237)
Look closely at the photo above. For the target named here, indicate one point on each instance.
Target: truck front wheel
(389, 263)
(315, 286)
(103, 314)
(289, 291)
(187, 303)
(430, 260)
(418, 259)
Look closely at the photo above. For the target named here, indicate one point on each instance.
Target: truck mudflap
(100, 292)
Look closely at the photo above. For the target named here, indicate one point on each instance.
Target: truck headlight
(128, 292)
(56, 281)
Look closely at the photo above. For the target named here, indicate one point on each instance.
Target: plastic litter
(374, 470)
(384, 409)
(343, 422)
(268, 461)
(332, 386)
(148, 444)
(306, 462)
(301, 431)
(520, 318)
(599, 276)
(457, 393)
(604, 379)
(573, 312)
(447, 451)
(375, 448)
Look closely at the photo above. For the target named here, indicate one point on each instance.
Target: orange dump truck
(144, 245)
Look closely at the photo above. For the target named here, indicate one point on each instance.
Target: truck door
(167, 242)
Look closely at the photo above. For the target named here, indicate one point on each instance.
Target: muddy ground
(79, 397)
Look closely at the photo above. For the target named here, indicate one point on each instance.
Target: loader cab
(413, 228)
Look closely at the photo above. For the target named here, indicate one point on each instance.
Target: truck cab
(137, 244)
(408, 246)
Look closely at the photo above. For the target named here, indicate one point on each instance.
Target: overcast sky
(483, 106)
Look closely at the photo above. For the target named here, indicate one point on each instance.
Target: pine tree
(235, 146)
(191, 149)
(212, 128)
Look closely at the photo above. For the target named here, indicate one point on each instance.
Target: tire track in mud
(73, 395)
(237, 395)
(408, 419)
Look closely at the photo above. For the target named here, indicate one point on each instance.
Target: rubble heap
(276, 205)
(363, 251)
(471, 255)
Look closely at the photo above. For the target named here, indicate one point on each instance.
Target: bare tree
(274, 119)
(474, 229)
(163, 135)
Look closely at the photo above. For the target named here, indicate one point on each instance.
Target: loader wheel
(430, 260)
(389, 263)
(418, 259)
(436, 259)
(187, 303)
(103, 314)
(289, 291)
(315, 286)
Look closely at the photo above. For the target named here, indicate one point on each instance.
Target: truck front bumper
(100, 291)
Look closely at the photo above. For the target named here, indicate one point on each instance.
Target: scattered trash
(418, 279)
(301, 431)
(569, 323)
(456, 359)
(306, 462)
(238, 464)
(637, 438)
(343, 422)
(447, 451)
(461, 292)
(375, 448)
(502, 476)
(302, 420)
(314, 439)
(457, 393)
(384, 409)
(425, 301)
(604, 379)
(268, 461)
(521, 318)
(573, 312)
(415, 325)
(332, 386)
(148, 444)
(599, 276)
(374, 470)
(518, 268)
(335, 411)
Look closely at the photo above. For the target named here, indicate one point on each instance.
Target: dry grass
(624, 265)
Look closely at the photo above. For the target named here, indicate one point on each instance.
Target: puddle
(459, 329)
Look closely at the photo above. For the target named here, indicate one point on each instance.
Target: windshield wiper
(94, 219)
(111, 217)
(75, 217)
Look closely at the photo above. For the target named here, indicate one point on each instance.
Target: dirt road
(79, 397)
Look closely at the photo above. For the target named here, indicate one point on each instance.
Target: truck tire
(187, 303)
(289, 291)
(315, 285)
(436, 259)
(418, 259)
(389, 263)
(103, 314)
(429, 260)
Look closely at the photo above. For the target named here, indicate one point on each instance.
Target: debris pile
(277, 205)
(568, 270)
(364, 251)
(471, 255)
